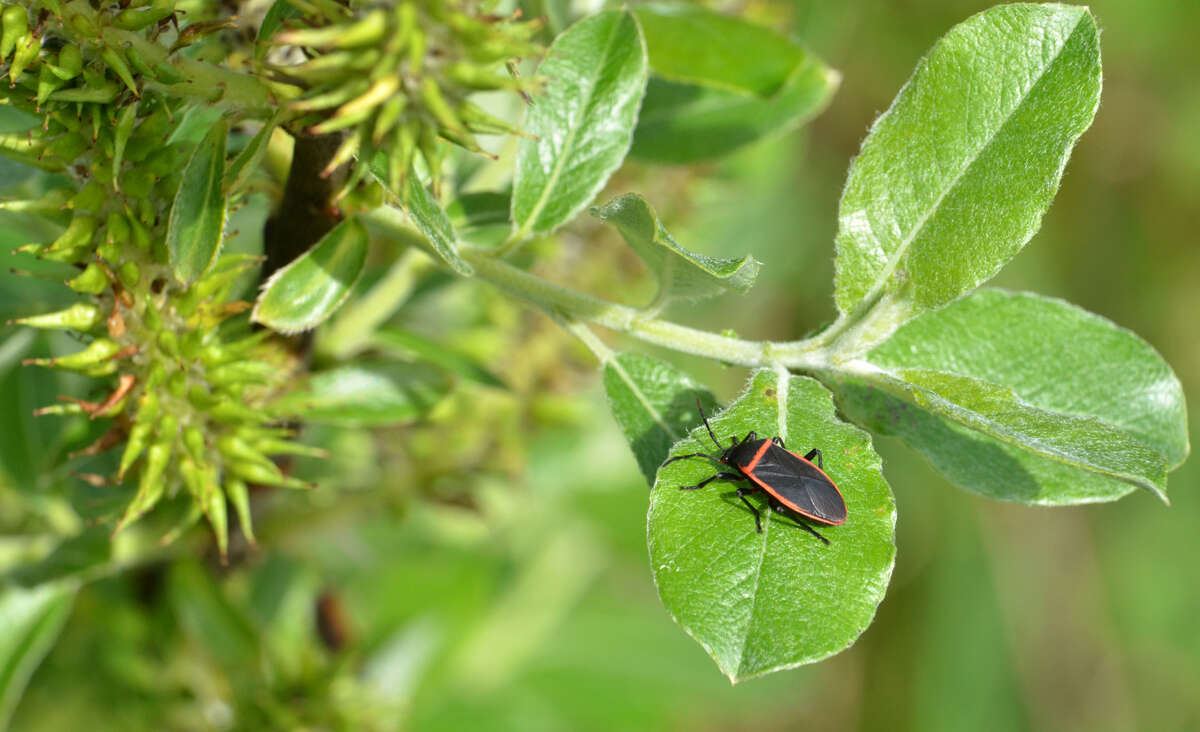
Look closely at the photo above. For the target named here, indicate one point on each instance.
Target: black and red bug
(795, 487)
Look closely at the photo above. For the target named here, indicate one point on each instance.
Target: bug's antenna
(710, 432)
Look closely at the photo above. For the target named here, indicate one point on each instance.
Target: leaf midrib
(894, 261)
(569, 142)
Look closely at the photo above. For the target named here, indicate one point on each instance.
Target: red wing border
(798, 484)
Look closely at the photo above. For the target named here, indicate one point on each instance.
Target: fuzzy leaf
(31, 620)
(749, 83)
(954, 178)
(196, 226)
(680, 273)
(765, 602)
(313, 286)
(434, 223)
(365, 395)
(582, 124)
(654, 404)
(249, 159)
(1055, 357)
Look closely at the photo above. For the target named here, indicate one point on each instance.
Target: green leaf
(738, 56)
(73, 557)
(680, 273)
(582, 123)
(31, 620)
(654, 404)
(749, 83)
(274, 19)
(954, 178)
(406, 344)
(220, 628)
(197, 223)
(995, 411)
(1054, 356)
(248, 160)
(765, 602)
(365, 395)
(312, 287)
(434, 223)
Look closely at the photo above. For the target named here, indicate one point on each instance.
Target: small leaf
(749, 83)
(738, 56)
(434, 223)
(248, 160)
(412, 345)
(654, 404)
(954, 178)
(196, 226)
(31, 620)
(312, 287)
(680, 273)
(1053, 355)
(365, 395)
(765, 602)
(276, 15)
(582, 124)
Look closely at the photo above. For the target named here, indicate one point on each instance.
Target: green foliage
(582, 124)
(954, 178)
(314, 285)
(429, 393)
(764, 602)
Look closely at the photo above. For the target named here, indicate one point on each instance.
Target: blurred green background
(505, 585)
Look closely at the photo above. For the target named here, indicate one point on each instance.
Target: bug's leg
(741, 493)
(782, 510)
(820, 461)
(693, 455)
(711, 478)
(778, 441)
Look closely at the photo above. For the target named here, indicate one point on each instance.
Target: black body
(793, 484)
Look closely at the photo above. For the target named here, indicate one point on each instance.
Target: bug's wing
(800, 485)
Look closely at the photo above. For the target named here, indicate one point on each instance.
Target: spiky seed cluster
(396, 76)
(189, 403)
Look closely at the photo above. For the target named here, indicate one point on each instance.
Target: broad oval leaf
(749, 83)
(995, 411)
(365, 395)
(955, 176)
(312, 287)
(680, 273)
(31, 619)
(582, 123)
(654, 404)
(196, 227)
(1054, 356)
(248, 160)
(765, 602)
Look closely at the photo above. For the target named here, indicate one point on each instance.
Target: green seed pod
(70, 62)
(239, 496)
(366, 32)
(140, 235)
(78, 234)
(83, 25)
(92, 281)
(482, 78)
(140, 433)
(48, 83)
(82, 317)
(389, 115)
(99, 353)
(214, 508)
(115, 60)
(273, 446)
(151, 485)
(200, 398)
(91, 197)
(258, 473)
(380, 92)
(335, 97)
(136, 19)
(168, 427)
(116, 229)
(168, 343)
(14, 24)
(67, 147)
(193, 440)
(138, 182)
(130, 274)
(147, 212)
(168, 74)
(235, 448)
(138, 63)
(27, 50)
(480, 121)
(125, 120)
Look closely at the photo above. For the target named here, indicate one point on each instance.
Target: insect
(792, 483)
